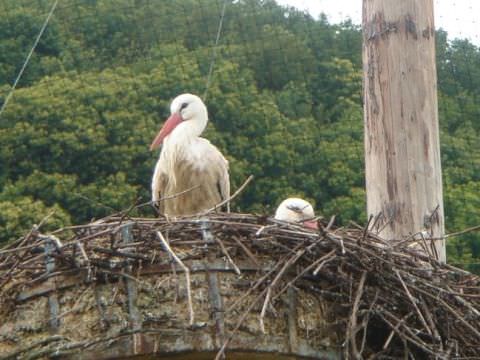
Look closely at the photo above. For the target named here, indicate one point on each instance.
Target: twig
(20, 248)
(352, 327)
(245, 249)
(187, 274)
(323, 260)
(410, 297)
(239, 190)
(408, 335)
(221, 352)
(169, 197)
(429, 318)
(96, 202)
(390, 337)
(330, 223)
(365, 232)
(121, 253)
(471, 229)
(41, 342)
(290, 262)
(225, 252)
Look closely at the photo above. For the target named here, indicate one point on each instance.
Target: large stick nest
(389, 299)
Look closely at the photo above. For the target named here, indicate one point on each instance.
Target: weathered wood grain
(403, 170)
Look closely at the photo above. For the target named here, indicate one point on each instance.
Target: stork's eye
(184, 105)
(294, 208)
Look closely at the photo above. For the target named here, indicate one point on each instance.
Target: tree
(284, 105)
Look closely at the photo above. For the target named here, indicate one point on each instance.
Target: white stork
(191, 173)
(296, 210)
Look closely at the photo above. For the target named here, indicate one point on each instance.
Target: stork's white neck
(190, 128)
(179, 144)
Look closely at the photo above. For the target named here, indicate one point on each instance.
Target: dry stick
(429, 318)
(254, 287)
(337, 238)
(225, 252)
(464, 302)
(290, 262)
(120, 253)
(411, 337)
(297, 229)
(8, 274)
(387, 342)
(36, 228)
(41, 342)
(330, 223)
(221, 352)
(124, 213)
(127, 212)
(319, 267)
(409, 332)
(187, 274)
(259, 232)
(259, 282)
(93, 201)
(18, 249)
(451, 310)
(169, 197)
(412, 300)
(245, 249)
(193, 220)
(93, 236)
(23, 240)
(323, 260)
(365, 231)
(366, 320)
(85, 257)
(425, 247)
(80, 227)
(74, 308)
(434, 248)
(387, 222)
(352, 328)
(239, 190)
(363, 249)
(471, 229)
(122, 274)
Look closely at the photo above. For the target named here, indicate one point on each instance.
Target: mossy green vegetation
(284, 101)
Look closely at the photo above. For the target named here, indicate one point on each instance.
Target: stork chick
(295, 210)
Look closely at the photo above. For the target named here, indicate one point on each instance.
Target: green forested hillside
(284, 101)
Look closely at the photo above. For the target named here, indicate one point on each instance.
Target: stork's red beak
(311, 224)
(166, 129)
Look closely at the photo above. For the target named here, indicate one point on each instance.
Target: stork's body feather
(198, 174)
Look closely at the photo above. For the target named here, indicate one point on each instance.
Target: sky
(460, 18)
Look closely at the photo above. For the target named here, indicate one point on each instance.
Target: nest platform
(231, 285)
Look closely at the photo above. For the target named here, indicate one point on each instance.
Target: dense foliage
(284, 101)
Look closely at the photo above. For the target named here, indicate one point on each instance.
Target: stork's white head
(188, 118)
(296, 210)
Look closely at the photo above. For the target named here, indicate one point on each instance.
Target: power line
(7, 99)
(214, 51)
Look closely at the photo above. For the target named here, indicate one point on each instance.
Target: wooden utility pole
(402, 148)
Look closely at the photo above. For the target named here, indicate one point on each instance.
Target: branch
(187, 274)
(239, 190)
